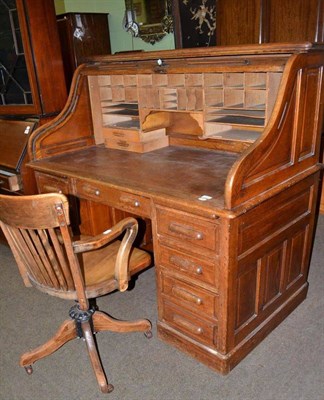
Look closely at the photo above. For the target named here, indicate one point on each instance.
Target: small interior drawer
(189, 296)
(189, 324)
(126, 201)
(51, 184)
(187, 228)
(202, 270)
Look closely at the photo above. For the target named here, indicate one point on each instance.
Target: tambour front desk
(218, 151)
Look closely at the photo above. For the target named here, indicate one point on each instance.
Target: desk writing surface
(176, 172)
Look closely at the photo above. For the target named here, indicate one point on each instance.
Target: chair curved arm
(93, 243)
(122, 274)
(130, 225)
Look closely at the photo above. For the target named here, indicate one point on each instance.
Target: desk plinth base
(224, 363)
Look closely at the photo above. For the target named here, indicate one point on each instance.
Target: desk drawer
(130, 202)
(189, 324)
(189, 296)
(51, 184)
(187, 228)
(204, 271)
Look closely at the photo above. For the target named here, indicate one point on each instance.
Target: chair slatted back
(34, 226)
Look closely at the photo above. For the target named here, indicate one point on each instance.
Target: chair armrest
(93, 243)
(129, 225)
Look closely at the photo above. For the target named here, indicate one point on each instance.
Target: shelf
(131, 106)
(231, 105)
(236, 135)
(256, 87)
(130, 124)
(239, 120)
(236, 112)
(132, 113)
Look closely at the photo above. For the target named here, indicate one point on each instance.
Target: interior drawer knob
(137, 203)
(97, 192)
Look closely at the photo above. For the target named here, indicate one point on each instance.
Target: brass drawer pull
(185, 295)
(197, 330)
(90, 190)
(186, 231)
(52, 189)
(130, 201)
(186, 265)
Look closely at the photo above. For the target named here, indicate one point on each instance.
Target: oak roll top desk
(219, 150)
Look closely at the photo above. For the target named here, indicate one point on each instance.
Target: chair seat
(99, 266)
(98, 271)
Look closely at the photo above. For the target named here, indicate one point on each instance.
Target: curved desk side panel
(71, 130)
(289, 147)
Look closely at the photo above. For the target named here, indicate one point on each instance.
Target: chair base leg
(102, 322)
(65, 333)
(105, 387)
(96, 321)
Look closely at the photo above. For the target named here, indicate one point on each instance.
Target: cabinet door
(238, 22)
(30, 59)
(293, 20)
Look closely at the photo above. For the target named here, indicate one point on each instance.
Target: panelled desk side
(232, 217)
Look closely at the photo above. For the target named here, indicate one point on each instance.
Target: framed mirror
(149, 20)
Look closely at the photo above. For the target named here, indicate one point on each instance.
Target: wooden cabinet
(291, 20)
(82, 35)
(267, 21)
(231, 196)
(238, 22)
(32, 88)
(31, 61)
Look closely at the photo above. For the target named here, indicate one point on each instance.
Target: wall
(120, 40)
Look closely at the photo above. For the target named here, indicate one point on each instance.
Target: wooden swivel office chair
(37, 230)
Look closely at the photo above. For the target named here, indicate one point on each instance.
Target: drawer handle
(90, 190)
(186, 231)
(130, 201)
(197, 330)
(185, 295)
(54, 189)
(186, 265)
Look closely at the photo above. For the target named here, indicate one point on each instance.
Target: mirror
(150, 20)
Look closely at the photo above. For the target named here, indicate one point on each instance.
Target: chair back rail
(38, 234)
